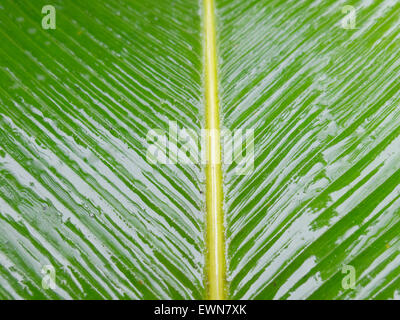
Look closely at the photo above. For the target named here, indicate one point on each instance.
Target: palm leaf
(78, 192)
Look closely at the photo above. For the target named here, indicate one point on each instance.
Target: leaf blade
(79, 193)
(313, 94)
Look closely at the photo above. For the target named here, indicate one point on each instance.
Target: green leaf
(77, 191)
(318, 216)
(323, 102)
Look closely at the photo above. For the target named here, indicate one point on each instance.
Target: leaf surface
(77, 192)
(323, 102)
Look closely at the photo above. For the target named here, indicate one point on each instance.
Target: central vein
(215, 221)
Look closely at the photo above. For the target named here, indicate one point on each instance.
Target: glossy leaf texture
(324, 104)
(76, 190)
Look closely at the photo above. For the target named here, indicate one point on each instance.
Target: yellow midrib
(215, 257)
